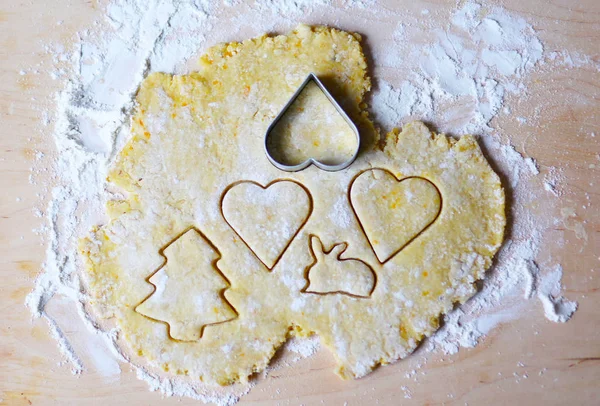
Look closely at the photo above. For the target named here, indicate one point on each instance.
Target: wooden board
(553, 363)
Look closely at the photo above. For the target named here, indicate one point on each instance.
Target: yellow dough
(196, 137)
(392, 212)
(312, 128)
(266, 218)
(330, 273)
(188, 289)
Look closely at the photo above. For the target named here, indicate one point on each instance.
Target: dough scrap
(195, 135)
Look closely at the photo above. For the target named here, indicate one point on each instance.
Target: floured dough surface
(189, 289)
(332, 274)
(196, 137)
(393, 211)
(266, 218)
(312, 128)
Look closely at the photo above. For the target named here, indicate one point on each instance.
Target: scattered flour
(556, 307)
(456, 78)
(515, 278)
(177, 387)
(304, 347)
(460, 79)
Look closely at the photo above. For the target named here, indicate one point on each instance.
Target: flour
(304, 347)
(65, 346)
(515, 278)
(457, 77)
(459, 80)
(556, 307)
(177, 387)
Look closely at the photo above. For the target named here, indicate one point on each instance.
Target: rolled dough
(195, 135)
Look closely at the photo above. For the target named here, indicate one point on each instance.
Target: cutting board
(526, 361)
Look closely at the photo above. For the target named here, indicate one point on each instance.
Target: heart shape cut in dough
(393, 212)
(312, 130)
(267, 218)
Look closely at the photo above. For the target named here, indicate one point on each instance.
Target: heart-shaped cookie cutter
(295, 168)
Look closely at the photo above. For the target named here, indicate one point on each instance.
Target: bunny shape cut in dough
(330, 273)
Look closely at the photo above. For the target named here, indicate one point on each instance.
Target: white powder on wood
(460, 79)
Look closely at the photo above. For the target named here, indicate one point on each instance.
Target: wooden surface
(528, 361)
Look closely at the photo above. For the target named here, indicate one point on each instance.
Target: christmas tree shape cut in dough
(189, 288)
(393, 212)
(267, 218)
(330, 273)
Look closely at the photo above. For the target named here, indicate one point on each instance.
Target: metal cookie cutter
(310, 161)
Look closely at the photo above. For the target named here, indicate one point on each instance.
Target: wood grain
(560, 362)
